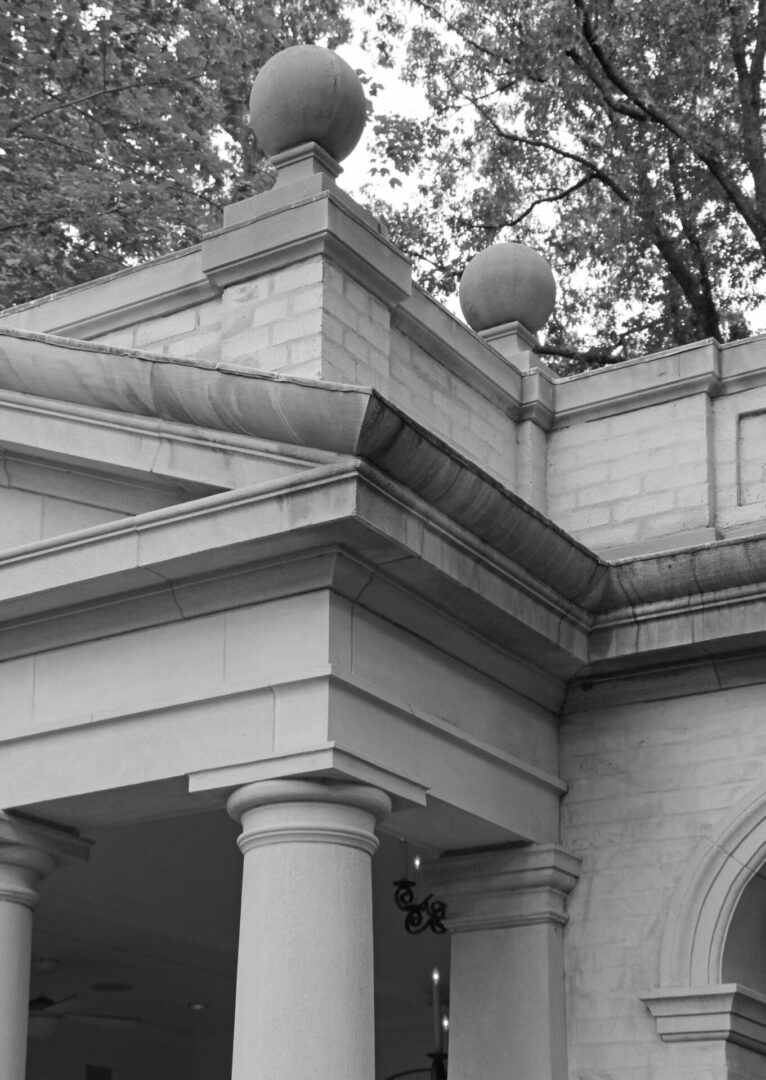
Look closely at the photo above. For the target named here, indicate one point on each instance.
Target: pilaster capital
(308, 811)
(504, 888)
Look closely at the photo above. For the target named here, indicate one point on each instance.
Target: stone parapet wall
(624, 480)
(662, 452)
(653, 454)
(437, 398)
(193, 333)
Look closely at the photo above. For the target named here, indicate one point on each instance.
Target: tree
(123, 126)
(623, 139)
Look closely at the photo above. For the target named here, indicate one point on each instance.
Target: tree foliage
(123, 126)
(623, 139)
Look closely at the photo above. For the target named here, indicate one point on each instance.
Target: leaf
(110, 126)
(620, 139)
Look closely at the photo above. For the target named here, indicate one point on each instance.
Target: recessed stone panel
(751, 455)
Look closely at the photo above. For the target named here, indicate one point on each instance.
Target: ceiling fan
(44, 1017)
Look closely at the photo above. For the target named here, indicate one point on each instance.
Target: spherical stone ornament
(307, 94)
(507, 283)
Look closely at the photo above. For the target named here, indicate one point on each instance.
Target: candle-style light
(437, 1010)
(405, 860)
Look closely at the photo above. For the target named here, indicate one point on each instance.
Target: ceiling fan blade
(102, 1019)
(42, 1003)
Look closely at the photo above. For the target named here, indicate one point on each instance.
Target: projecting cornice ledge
(726, 1012)
(348, 420)
(708, 598)
(634, 607)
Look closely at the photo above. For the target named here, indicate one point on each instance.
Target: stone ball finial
(507, 283)
(307, 94)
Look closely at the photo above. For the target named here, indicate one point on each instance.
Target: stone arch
(692, 1002)
(705, 899)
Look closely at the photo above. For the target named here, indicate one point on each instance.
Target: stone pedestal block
(506, 912)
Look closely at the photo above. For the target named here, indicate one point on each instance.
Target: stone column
(506, 911)
(27, 854)
(305, 971)
(21, 868)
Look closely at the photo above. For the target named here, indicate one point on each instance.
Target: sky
(399, 97)
(395, 97)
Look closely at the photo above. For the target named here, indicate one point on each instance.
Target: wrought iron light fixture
(425, 914)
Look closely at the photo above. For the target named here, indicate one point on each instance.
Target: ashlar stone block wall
(649, 780)
(617, 481)
(663, 452)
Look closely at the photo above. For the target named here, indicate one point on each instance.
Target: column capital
(28, 853)
(308, 811)
(511, 887)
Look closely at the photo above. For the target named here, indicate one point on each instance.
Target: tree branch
(592, 357)
(510, 222)
(439, 16)
(624, 108)
(47, 219)
(759, 49)
(749, 93)
(701, 150)
(544, 144)
(95, 94)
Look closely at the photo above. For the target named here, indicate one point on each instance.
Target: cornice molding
(520, 886)
(360, 434)
(725, 1011)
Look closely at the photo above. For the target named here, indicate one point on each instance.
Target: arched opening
(744, 953)
(712, 982)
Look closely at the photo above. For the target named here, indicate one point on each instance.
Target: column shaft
(305, 974)
(20, 870)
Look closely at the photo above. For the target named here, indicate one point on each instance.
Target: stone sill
(726, 1011)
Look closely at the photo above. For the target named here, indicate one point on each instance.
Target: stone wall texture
(648, 782)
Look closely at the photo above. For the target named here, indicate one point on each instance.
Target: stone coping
(702, 367)
(282, 226)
